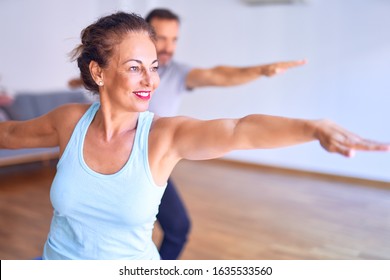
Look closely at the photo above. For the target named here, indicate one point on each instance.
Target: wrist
(261, 71)
(314, 129)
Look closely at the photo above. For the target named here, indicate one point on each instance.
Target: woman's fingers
(369, 145)
(338, 140)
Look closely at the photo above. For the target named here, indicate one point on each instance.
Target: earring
(101, 83)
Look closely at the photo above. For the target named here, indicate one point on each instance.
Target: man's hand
(75, 83)
(272, 69)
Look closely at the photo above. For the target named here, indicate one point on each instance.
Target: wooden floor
(237, 213)
(25, 210)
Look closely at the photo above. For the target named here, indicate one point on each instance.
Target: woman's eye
(134, 69)
(154, 69)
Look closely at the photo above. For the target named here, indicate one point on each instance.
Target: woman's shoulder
(69, 114)
(162, 122)
(166, 127)
(170, 119)
(71, 110)
(66, 118)
(170, 122)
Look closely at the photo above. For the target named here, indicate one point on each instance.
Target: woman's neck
(112, 122)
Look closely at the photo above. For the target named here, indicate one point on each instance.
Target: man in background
(178, 79)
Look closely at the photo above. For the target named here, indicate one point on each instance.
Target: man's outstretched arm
(232, 76)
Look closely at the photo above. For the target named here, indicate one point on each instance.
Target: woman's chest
(107, 157)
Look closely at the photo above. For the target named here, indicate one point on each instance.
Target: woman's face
(131, 76)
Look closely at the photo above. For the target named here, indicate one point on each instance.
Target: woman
(116, 156)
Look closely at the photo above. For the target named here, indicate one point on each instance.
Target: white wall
(37, 36)
(346, 43)
(35, 39)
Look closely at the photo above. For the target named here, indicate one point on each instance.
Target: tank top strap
(89, 115)
(145, 120)
(79, 131)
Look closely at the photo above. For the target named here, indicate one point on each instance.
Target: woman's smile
(143, 94)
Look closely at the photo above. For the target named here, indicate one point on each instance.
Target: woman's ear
(96, 73)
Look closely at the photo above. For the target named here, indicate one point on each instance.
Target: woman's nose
(147, 79)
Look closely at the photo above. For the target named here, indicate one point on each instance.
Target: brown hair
(161, 14)
(99, 39)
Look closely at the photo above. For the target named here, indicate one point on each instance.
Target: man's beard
(167, 55)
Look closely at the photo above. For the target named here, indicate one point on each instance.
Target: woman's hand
(336, 139)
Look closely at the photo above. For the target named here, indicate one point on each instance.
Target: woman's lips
(145, 95)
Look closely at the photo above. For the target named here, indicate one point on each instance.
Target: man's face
(167, 31)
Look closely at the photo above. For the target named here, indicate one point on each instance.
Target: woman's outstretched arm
(35, 133)
(198, 140)
(50, 130)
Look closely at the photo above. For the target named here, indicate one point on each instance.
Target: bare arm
(231, 76)
(75, 83)
(50, 130)
(198, 140)
(36, 133)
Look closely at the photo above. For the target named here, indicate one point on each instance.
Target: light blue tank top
(100, 216)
